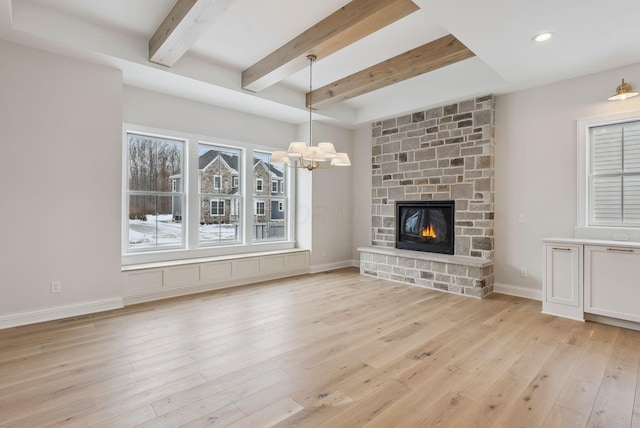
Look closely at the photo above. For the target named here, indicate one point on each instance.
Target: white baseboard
(330, 266)
(514, 290)
(60, 312)
(355, 263)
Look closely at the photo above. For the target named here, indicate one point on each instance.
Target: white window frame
(583, 228)
(191, 211)
(219, 203)
(234, 181)
(280, 206)
(217, 179)
(274, 184)
(281, 186)
(257, 205)
(259, 185)
(127, 193)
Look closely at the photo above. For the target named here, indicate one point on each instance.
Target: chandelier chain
(311, 58)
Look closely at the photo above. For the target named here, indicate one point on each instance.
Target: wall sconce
(623, 92)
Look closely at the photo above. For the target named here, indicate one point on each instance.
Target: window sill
(169, 257)
(198, 260)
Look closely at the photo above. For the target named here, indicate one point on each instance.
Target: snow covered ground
(161, 231)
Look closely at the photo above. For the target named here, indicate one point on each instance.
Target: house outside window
(270, 221)
(609, 177)
(235, 181)
(218, 165)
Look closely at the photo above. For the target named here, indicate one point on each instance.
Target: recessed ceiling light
(542, 37)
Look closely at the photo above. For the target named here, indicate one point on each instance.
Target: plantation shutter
(614, 175)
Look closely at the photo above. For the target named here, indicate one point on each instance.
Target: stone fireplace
(441, 154)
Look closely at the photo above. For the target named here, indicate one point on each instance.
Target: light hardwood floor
(326, 350)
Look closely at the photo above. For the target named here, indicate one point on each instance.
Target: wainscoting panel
(182, 275)
(272, 263)
(143, 283)
(215, 271)
(143, 280)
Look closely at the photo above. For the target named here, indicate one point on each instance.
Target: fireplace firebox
(426, 226)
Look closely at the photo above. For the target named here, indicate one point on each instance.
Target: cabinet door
(612, 282)
(562, 286)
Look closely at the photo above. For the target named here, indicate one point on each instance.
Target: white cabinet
(612, 281)
(562, 283)
(596, 279)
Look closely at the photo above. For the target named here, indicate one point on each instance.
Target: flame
(429, 232)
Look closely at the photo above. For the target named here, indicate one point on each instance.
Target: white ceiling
(589, 36)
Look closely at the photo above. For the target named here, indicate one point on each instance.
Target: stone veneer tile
(454, 159)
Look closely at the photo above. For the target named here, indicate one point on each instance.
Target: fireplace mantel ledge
(435, 257)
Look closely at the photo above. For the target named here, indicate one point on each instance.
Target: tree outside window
(155, 198)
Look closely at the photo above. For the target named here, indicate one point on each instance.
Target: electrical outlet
(522, 218)
(524, 272)
(324, 253)
(56, 287)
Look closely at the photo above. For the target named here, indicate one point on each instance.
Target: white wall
(536, 161)
(60, 122)
(324, 203)
(361, 224)
(142, 107)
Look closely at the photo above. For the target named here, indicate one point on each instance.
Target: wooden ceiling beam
(431, 56)
(182, 27)
(349, 24)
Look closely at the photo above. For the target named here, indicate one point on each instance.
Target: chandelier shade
(301, 155)
(296, 149)
(328, 149)
(279, 157)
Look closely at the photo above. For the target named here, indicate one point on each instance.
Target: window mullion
(249, 204)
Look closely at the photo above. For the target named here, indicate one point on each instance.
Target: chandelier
(310, 157)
